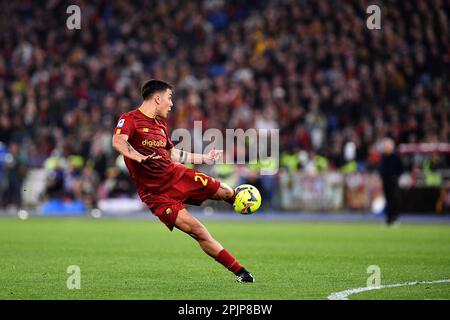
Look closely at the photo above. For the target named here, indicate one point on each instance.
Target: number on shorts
(203, 180)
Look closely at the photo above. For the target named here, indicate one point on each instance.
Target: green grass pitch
(141, 259)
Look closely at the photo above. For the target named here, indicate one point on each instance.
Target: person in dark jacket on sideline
(390, 170)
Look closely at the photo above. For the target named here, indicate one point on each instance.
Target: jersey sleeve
(125, 125)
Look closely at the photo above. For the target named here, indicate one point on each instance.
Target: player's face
(166, 103)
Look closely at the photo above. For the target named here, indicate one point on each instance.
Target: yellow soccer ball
(248, 199)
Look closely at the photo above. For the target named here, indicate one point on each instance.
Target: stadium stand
(312, 69)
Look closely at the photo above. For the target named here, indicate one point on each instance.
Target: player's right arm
(121, 144)
(125, 128)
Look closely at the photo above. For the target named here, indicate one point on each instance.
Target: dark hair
(152, 86)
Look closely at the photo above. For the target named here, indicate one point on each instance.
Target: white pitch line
(343, 295)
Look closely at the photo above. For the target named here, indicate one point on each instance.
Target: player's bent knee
(185, 221)
(190, 225)
(201, 233)
(197, 230)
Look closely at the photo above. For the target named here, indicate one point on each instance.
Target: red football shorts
(193, 188)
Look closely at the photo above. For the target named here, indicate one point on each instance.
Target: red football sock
(231, 200)
(228, 261)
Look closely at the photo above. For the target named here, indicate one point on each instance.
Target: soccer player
(164, 185)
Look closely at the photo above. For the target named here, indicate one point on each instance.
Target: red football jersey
(148, 135)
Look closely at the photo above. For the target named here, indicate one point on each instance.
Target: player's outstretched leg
(193, 227)
(225, 193)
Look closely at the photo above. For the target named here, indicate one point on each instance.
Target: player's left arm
(177, 155)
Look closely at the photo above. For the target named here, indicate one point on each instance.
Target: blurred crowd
(312, 69)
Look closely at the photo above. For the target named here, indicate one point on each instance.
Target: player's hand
(149, 158)
(212, 156)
